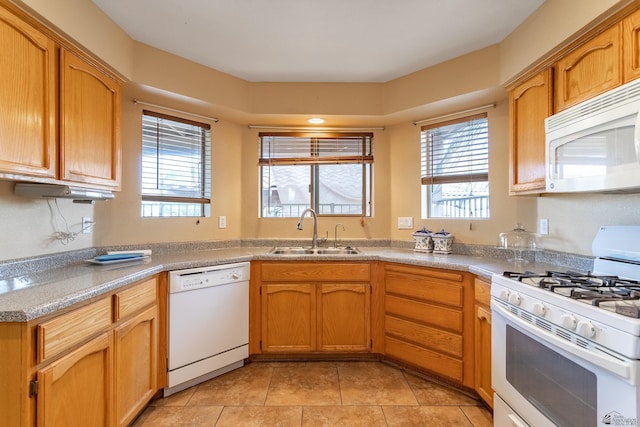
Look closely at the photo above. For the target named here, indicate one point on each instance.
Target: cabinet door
(28, 99)
(288, 318)
(89, 124)
(76, 390)
(631, 46)
(344, 317)
(483, 353)
(591, 69)
(136, 361)
(529, 104)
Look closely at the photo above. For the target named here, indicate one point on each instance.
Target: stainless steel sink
(297, 250)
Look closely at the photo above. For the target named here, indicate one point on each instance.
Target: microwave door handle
(636, 136)
(610, 364)
(515, 421)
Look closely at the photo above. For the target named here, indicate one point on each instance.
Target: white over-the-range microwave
(595, 145)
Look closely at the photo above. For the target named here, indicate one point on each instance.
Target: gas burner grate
(605, 291)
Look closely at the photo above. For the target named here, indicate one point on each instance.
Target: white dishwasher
(208, 323)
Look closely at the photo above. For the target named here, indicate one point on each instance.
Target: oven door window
(559, 388)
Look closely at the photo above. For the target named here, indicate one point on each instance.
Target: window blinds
(455, 151)
(294, 148)
(175, 155)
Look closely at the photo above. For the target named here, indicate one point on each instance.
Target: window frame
(429, 177)
(204, 184)
(315, 160)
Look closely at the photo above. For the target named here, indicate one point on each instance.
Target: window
(331, 173)
(176, 159)
(455, 168)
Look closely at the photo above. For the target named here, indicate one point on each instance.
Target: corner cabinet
(92, 365)
(310, 307)
(428, 320)
(61, 110)
(482, 334)
(75, 389)
(529, 104)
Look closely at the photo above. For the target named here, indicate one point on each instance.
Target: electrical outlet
(405, 222)
(544, 226)
(86, 224)
(222, 221)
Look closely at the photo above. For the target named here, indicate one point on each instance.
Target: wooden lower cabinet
(96, 365)
(288, 318)
(310, 307)
(76, 390)
(344, 317)
(482, 335)
(428, 321)
(136, 356)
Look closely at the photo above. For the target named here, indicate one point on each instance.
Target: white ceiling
(318, 40)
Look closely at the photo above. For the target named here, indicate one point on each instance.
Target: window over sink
(328, 172)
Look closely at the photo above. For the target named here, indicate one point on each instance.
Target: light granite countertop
(35, 294)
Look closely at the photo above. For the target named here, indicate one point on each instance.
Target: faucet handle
(335, 234)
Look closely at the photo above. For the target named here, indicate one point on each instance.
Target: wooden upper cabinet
(631, 46)
(591, 69)
(89, 123)
(529, 104)
(27, 99)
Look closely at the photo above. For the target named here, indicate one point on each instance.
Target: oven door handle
(603, 360)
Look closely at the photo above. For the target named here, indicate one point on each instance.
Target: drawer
(67, 330)
(422, 288)
(443, 317)
(482, 291)
(424, 336)
(315, 272)
(134, 299)
(433, 361)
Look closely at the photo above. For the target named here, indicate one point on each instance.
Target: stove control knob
(586, 329)
(504, 295)
(569, 321)
(515, 299)
(539, 309)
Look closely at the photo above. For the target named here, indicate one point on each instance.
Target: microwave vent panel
(629, 92)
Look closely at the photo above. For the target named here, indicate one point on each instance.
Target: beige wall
(468, 81)
(376, 227)
(405, 185)
(543, 30)
(119, 219)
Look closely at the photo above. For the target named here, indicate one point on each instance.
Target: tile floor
(316, 394)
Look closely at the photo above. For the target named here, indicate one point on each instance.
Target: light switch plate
(222, 221)
(544, 226)
(405, 222)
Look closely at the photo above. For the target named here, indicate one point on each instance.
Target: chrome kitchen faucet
(314, 240)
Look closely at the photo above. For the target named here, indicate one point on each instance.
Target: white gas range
(566, 345)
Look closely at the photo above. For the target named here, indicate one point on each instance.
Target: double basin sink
(298, 250)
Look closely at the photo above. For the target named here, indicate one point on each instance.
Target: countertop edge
(44, 298)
